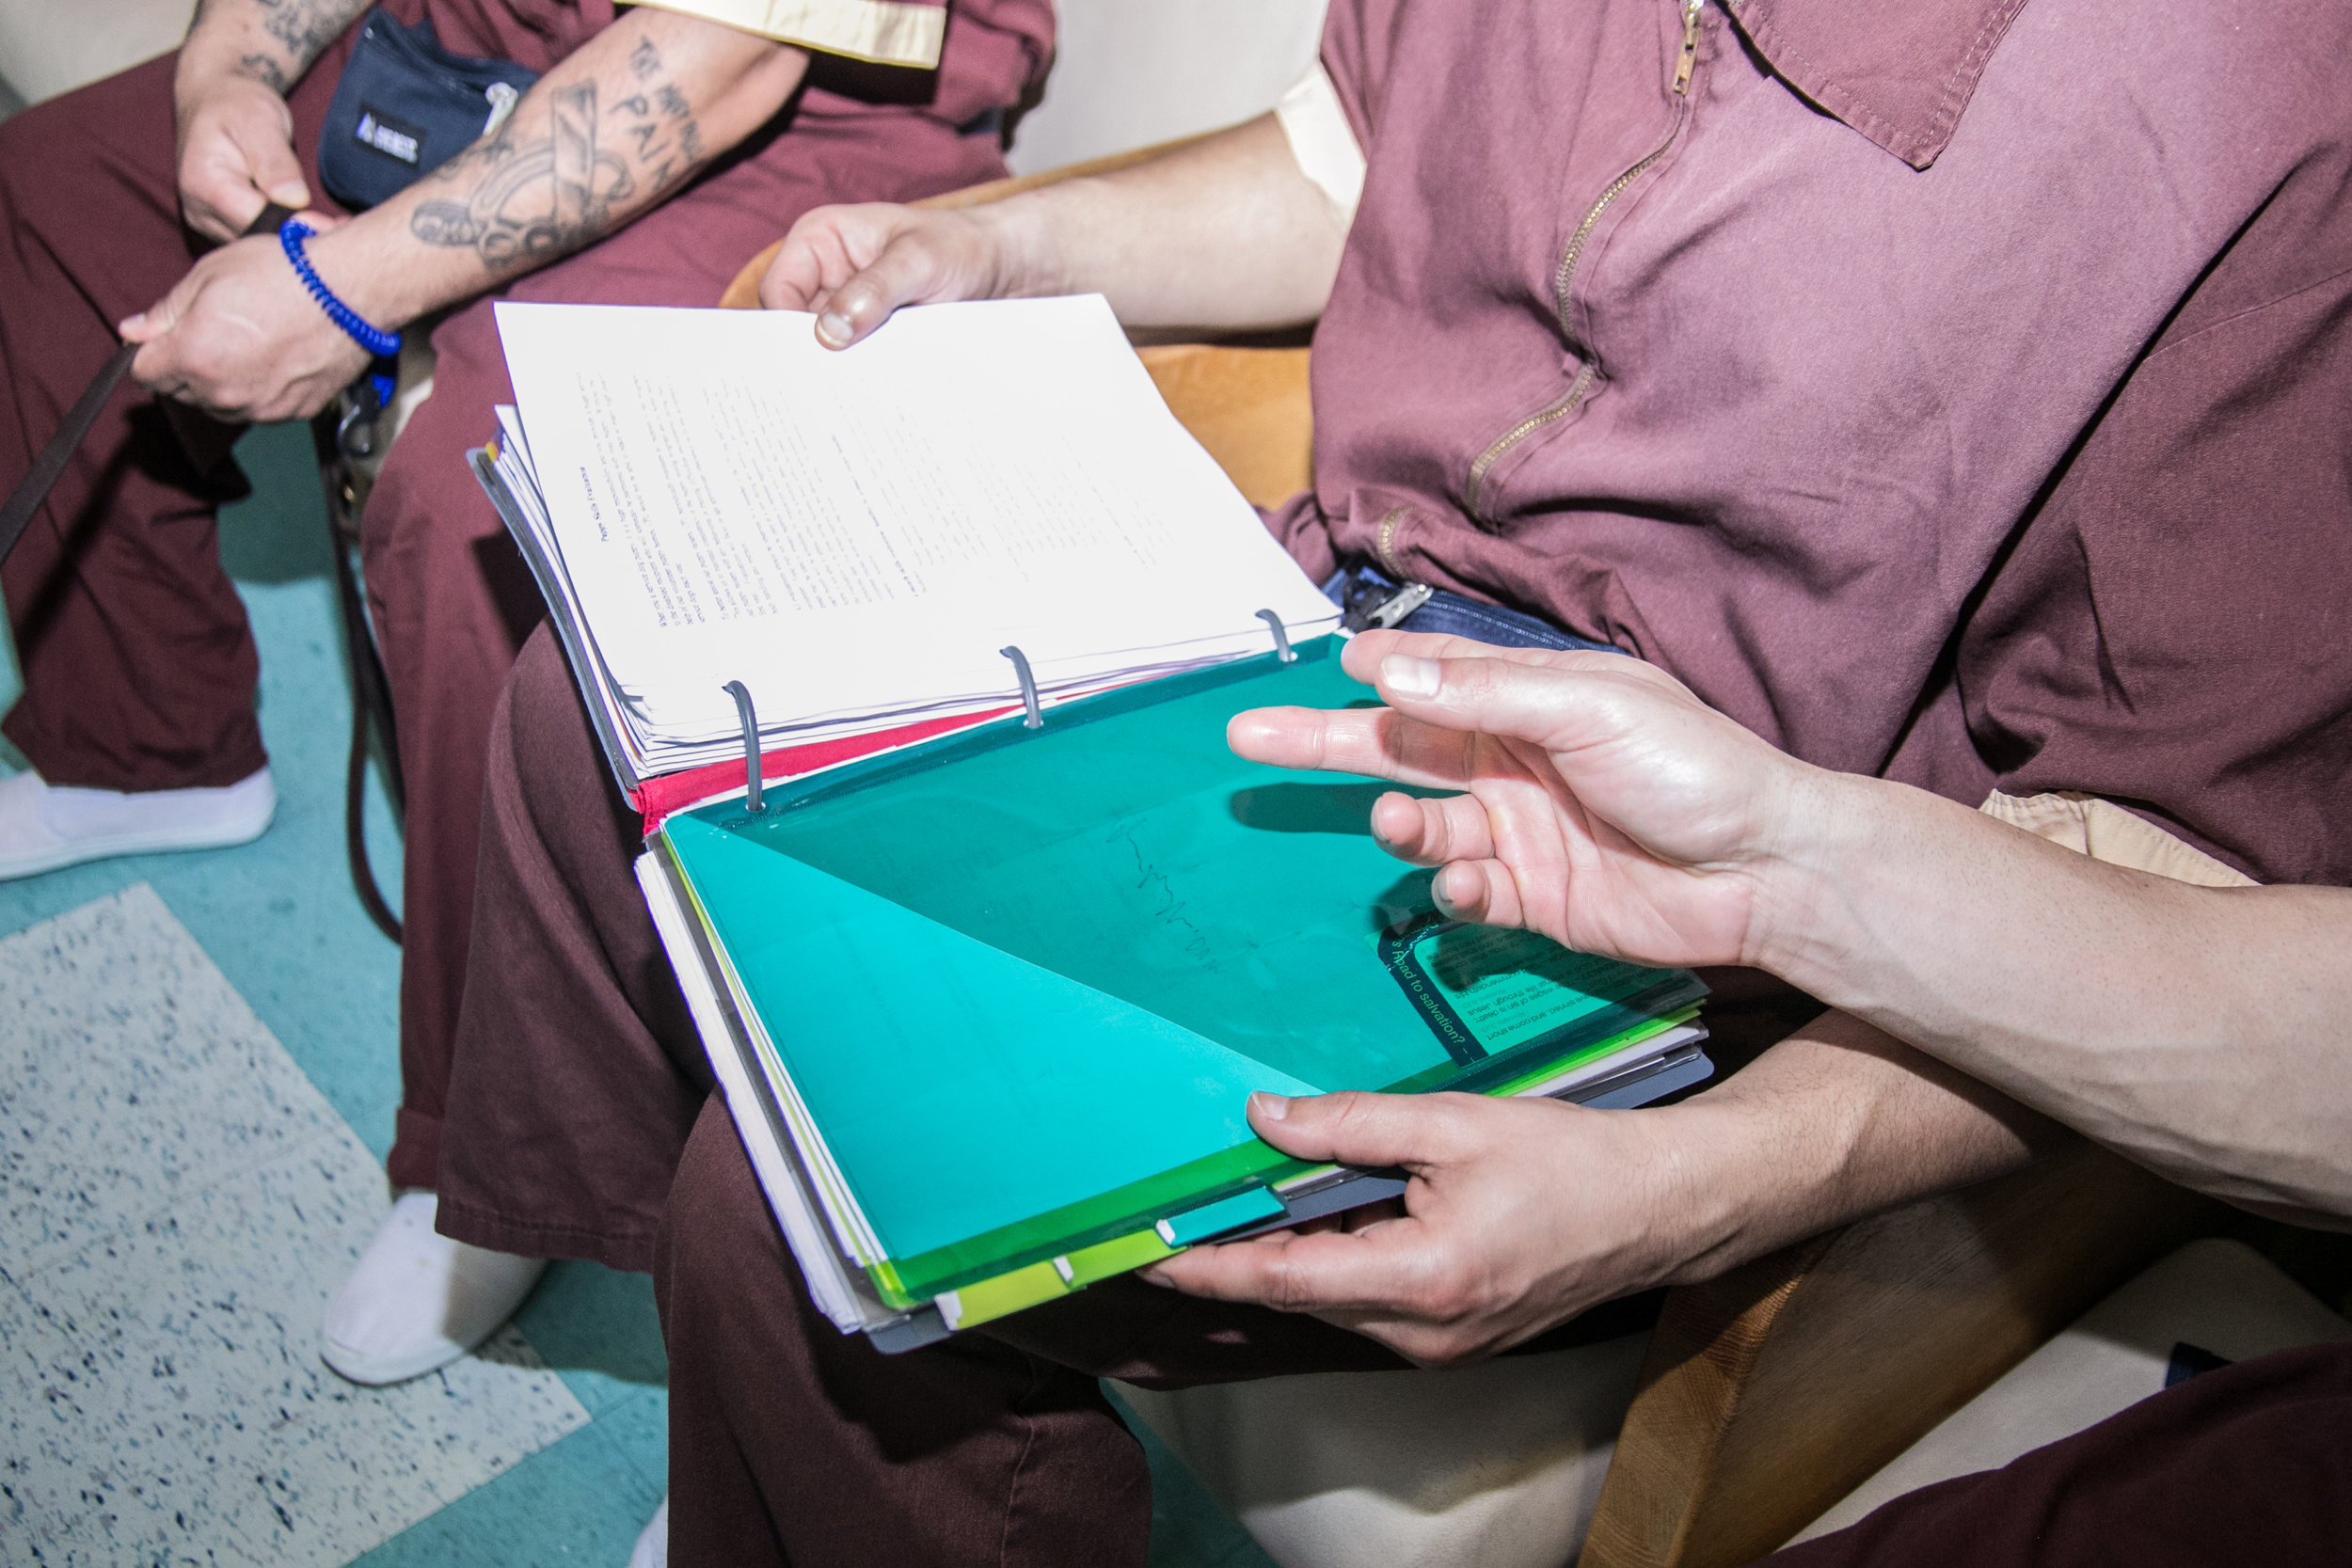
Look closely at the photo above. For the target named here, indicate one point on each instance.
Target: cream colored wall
(1135, 71)
(49, 46)
(1130, 72)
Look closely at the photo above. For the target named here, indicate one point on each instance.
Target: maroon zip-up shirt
(1956, 390)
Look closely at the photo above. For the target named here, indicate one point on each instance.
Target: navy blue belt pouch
(405, 106)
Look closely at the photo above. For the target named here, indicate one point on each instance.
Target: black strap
(26, 498)
(34, 488)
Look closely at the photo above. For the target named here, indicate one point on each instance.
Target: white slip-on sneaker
(419, 1300)
(44, 827)
(653, 1541)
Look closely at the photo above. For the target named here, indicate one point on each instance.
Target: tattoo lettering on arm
(666, 162)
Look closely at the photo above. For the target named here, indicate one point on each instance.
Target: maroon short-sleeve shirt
(1956, 390)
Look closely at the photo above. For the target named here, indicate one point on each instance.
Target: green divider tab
(1116, 1255)
(1002, 1296)
(1213, 1219)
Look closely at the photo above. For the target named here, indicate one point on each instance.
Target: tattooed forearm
(519, 200)
(265, 70)
(533, 202)
(269, 41)
(306, 27)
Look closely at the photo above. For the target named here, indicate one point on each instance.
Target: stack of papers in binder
(987, 997)
(856, 536)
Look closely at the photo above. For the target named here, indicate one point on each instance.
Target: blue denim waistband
(1450, 613)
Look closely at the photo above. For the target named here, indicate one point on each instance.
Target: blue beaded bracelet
(374, 340)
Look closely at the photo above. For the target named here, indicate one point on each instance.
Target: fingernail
(1409, 677)
(1447, 904)
(1270, 1108)
(835, 328)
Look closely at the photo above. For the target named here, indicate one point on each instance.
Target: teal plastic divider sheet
(1014, 969)
(960, 1088)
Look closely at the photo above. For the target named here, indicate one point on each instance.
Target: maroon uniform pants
(2249, 1464)
(139, 668)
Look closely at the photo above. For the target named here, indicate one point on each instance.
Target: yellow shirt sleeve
(1323, 141)
(887, 32)
(2105, 831)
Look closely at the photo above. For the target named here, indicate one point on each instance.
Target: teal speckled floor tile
(179, 1203)
(582, 1502)
(597, 1329)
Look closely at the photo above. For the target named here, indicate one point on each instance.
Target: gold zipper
(1383, 544)
(1690, 58)
(1520, 431)
(1564, 277)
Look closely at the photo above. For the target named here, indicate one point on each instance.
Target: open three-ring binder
(988, 970)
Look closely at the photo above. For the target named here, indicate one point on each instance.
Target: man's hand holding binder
(1602, 804)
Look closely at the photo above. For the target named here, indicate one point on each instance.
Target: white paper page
(856, 531)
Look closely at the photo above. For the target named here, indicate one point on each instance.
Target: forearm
(618, 126)
(2196, 1030)
(1226, 234)
(1834, 1123)
(270, 42)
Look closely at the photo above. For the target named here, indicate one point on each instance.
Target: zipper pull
(1688, 62)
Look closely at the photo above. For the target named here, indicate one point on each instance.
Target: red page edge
(661, 799)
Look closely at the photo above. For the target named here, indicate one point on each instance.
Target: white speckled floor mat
(176, 1203)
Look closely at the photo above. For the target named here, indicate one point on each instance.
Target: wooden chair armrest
(1774, 1390)
(743, 292)
(1248, 406)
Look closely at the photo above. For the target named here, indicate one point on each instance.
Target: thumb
(279, 175)
(270, 163)
(908, 271)
(1352, 1128)
(1570, 699)
(155, 321)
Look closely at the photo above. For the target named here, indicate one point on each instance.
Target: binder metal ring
(1036, 719)
(1284, 652)
(752, 802)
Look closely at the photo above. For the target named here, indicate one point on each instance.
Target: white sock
(653, 1541)
(418, 1300)
(44, 827)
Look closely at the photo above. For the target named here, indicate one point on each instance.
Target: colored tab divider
(1212, 1219)
(1007, 1293)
